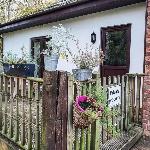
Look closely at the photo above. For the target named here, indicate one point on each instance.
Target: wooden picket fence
(20, 111)
(129, 114)
(31, 114)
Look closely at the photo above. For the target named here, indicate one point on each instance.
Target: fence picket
(23, 95)
(16, 96)
(95, 127)
(104, 133)
(119, 107)
(88, 132)
(30, 95)
(127, 110)
(114, 117)
(6, 103)
(138, 98)
(11, 107)
(1, 101)
(122, 103)
(70, 112)
(82, 140)
(37, 99)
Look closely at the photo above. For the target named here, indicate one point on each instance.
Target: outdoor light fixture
(93, 37)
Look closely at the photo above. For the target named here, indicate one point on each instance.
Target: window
(115, 42)
(116, 45)
(38, 44)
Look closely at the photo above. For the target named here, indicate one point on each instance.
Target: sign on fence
(114, 95)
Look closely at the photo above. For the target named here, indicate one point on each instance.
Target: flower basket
(86, 111)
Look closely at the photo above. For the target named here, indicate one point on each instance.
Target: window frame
(42, 40)
(122, 27)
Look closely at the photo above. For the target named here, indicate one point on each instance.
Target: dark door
(116, 48)
(38, 44)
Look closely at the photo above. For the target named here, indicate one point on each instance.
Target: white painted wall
(82, 27)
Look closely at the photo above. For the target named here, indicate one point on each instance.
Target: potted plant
(18, 66)
(85, 61)
(87, 108)
(57, 44)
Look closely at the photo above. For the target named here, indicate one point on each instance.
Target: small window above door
(115, 43)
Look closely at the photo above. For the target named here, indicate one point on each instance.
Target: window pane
(36, 47)
(115, 48)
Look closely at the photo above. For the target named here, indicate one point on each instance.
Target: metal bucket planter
(82, 74)
(51, 62)
(19, 70)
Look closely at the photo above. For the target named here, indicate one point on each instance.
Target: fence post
(54, 111)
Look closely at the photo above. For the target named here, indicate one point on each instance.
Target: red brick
(145, 121)
(144, 126)
(146, 88)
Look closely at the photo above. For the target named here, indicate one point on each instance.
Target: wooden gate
(96, 135)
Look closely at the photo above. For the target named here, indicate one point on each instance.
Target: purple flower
(80, 99)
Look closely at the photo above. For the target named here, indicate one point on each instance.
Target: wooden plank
(130, 92)
(119, 107)
(77, 130)
(114, 117)
(138, 99)
(126, 123)
(76, 141)
(88, 132)
(133, 101)
(30, 96)
(17, 109)
(88, 138)
(11, 107)
(95, 127)
(132, 141)
(23, 96)
(82, 140)
(104, 133)
(37, 99)
(122, 103)
(1, 100)
(64, 99)
(62, 110)
(70, 113)
(110, 120)
(5, 105)
(49, 109)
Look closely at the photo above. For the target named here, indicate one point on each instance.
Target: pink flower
(80, 99)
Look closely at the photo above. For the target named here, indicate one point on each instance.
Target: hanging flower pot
(51, 62)
(86, 111)
(82, 74)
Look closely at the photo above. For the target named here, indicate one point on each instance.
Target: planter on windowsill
(82, 74)
(19, 70)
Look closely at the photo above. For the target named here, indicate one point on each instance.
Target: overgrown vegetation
(13, 9)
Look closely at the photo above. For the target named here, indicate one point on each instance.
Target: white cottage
(119, 26)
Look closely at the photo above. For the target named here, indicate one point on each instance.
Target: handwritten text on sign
(114, 95)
